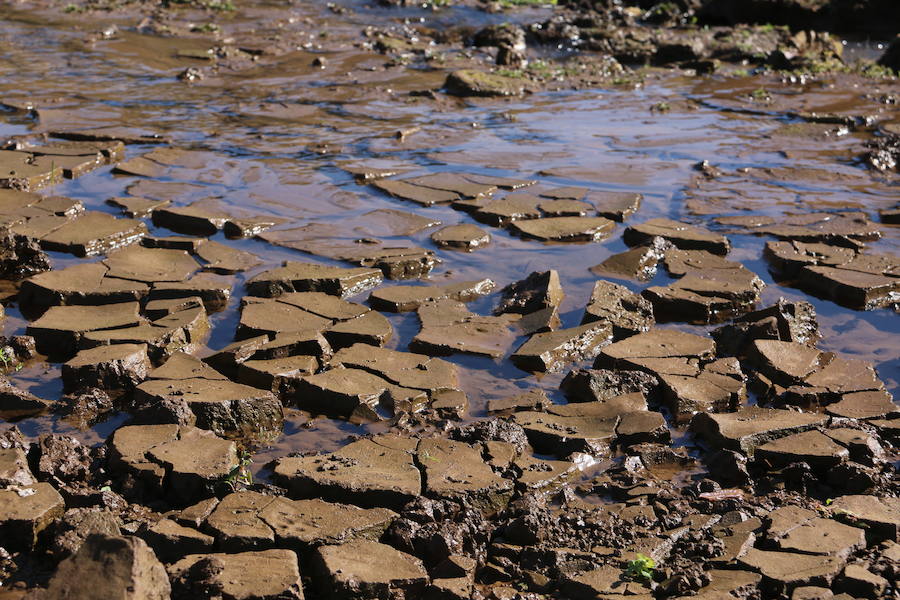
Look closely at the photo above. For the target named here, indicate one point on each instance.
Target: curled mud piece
(420, 194)
(395, 261)
(691, 379)
(533, 400)
(800, 375)
(32, 168)
(172, 242)
(213, 290)
(501, 212)
(565, 229)
(227, 408)
(362, 380)
(194, 219)
(864, 283)
(409, 297)
(93, 233)
(115, 367)
(246, 520)
(87, 284)
(460, 184)
(752, 426)
(681, 235)
(463, 237)
(551, 351)
(600, 385)
(785, 321)
(355, 395)
(20, 257)
(59, 331)
(135, 207)
(617, 206)
(710, 288)
(627, 312)
(562, 435)
(853, 279)
(538, 291)
(180, 462)
(225, 260)
(61, 224)
(309, 277)
(449, 327)
(846, 229)
(639, 263)
(16, 403)
(184, 329)
(23, 516)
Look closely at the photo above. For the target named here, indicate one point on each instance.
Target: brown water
(253, 132)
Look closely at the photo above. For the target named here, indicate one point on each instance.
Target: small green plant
(8, 358)
(219, 5)
(511, 73)
(661, 107)
(875, 71)
(641, 568)
(224, 5)
(240, 475)
(426, 455)
(760, 94)
(206, 28)
(511, 3)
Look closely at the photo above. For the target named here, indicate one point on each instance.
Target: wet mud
(449, 300)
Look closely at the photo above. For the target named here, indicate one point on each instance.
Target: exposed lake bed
(449, 301)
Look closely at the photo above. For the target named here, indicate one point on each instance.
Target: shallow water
(250, 130)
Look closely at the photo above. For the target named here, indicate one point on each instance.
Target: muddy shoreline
(449, 300)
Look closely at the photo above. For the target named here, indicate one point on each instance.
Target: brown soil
(449, 300)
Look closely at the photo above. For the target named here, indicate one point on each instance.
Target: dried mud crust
(747, 460)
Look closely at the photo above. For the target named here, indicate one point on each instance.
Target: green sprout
(512, 3)
(426, 455)
(240, 476)
(641, 568)
(8, 358)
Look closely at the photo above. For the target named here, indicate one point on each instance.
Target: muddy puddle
(282, 240)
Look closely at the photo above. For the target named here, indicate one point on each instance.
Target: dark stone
(891, 56)
(785, 321)
(537, 291)
(21, 257)
(591, 385)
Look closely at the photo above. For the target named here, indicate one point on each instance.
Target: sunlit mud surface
(277, 135)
